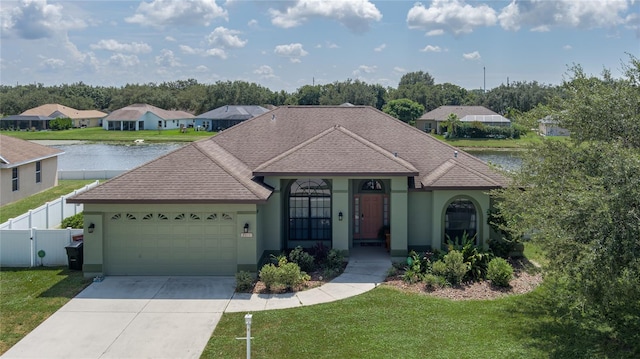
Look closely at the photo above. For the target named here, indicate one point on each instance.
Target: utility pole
(484, 79)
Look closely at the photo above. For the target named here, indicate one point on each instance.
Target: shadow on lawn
(73, 283)
(564, 336)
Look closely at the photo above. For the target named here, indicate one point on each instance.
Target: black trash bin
(74, 254)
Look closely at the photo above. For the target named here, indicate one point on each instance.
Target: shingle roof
(441, 113)
(301, 141)
(135, 111)
(231, 112)
(485, 118)
(15, 152)
(50, 110)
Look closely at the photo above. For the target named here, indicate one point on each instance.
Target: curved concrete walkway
(173, 317)
(366, 269)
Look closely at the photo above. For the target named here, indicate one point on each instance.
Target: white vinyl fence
(20, 247)
(49, 215)
(89, 174)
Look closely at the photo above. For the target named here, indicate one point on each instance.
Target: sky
(284, 45)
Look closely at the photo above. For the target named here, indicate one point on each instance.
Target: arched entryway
(309, 212)
(461, 216)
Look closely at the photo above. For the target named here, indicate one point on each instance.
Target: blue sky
(284, 45)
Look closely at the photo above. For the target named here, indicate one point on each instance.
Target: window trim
(305, 223)
(15, 179)
(478, 218)
(38, 171)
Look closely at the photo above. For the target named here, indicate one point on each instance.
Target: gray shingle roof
(301, 141)
(15, 152)
(441, 113)
(231, 112)
(135, 111)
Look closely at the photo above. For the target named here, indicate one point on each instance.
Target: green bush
(244, 281)
(456, 268)
(75, 221)
(269, 275)
(439, 268)
(305, 260)
(58, 124)
(291, 276)
(432, 281)
(500, 272)
(335, 260)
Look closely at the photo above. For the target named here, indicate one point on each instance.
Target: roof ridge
(479, 173)
(237, 177)
(449, 164)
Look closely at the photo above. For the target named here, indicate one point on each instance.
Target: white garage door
(170, 243)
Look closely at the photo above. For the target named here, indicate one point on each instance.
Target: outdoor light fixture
(91, 227)
(340, 216)
(246, 228)
(247, 321)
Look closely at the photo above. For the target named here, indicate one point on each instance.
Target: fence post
(10, 223)
(61, 208)
(46, 213)
(69, 235)
(32, 246)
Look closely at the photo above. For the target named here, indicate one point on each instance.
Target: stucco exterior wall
(27, 180)
(441, 200)
(420, 220)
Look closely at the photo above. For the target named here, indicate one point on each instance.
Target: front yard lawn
(389, 323)
(28, 296)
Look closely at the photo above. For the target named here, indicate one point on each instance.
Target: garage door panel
(145, 244)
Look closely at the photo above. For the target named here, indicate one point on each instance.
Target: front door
(368, 215)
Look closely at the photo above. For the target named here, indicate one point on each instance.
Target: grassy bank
(28, 296)
(17, 208)
(97, 134)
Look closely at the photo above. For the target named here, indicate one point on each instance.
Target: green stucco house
(296, 175)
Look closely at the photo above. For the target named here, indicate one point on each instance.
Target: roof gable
(135, 111)
(57, 110)
(441, 113)
(231, 112)
(336, 151)
(455, 174)
(15, 152)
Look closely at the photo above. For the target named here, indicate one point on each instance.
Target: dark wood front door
(368, 216)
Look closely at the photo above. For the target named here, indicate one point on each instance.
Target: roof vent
(395, 154)
(455, 154)
(273, 117)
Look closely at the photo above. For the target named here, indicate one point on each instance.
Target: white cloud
(567, 47)
(124, 60)
(472, 56)
(380, 48)
(177, 12)
(225, 38)
(356, 15)
(430, 48)
(52, 64)
(364, 69)
(169, 38)
(543, 15)
(115, 46)
(453, 16)
(202, 68)
(216, 53)
(293, 51)
(35, 19)
(167, 59)
(436, 32)
(399, 70)
(190, 50)
(253, 23)
(265, 72)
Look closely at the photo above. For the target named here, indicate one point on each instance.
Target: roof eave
(18, 164)
(167, 201)
(338, 174)
(433, 188)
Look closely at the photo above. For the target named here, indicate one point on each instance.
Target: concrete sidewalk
(173, 317)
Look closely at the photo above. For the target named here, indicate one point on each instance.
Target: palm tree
(452, 123)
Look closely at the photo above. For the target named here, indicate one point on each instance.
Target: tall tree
(581, 199)
(404, 109)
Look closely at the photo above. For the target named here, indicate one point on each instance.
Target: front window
(459, 219)
(14, 178)
(310, 210)
(38, 172)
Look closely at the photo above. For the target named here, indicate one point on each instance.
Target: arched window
(459, 218)
(371, 185)
(310, 210)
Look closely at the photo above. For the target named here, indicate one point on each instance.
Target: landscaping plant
(500, 272)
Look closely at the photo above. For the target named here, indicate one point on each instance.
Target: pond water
(108, 156)
(103, 156)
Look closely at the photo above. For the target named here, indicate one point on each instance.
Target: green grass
(388, 323)
(490, 143)
(28, 296)
(17, 208)
(98, 134)
(533, 252)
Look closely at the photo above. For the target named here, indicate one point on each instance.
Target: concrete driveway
(132, 317)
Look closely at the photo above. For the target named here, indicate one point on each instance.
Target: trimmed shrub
(303, 259)
(244, 281)
(432, 281)
(335, 260)
(500, 272)
(58, 124)
(456, 268)
(291, 276)
(439, 268)
(75, 221)
(269, 275)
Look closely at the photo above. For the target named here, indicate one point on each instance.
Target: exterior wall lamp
(246, 228)
(340, 216)
(91, 228)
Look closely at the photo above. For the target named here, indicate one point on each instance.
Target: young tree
(581, 199)
(404, 110)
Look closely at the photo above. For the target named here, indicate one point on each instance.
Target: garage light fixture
(91, 227)
(340, 216)
(246, 228)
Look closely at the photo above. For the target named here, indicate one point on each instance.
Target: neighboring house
(80, 118)
(22, 122)
(224, 117)
(434, 119)
(549, 127)
(296, 175)
(26, 168)
(146, 117)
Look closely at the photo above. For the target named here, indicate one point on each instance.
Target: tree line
(194, 97)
